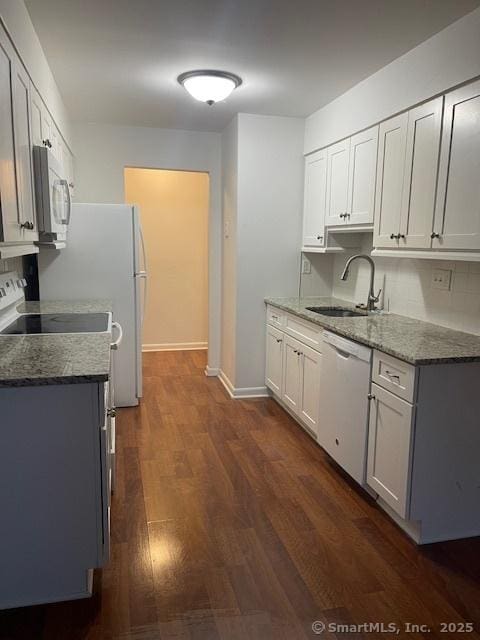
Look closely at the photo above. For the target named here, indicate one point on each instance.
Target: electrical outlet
(306, 265)
(441, 279)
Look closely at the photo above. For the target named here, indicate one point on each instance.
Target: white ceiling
(116, 61)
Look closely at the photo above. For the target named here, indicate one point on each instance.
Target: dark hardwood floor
(229, 522)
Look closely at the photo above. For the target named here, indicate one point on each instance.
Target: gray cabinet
(54, 491)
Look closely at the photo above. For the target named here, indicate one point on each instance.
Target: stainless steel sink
(337, 312)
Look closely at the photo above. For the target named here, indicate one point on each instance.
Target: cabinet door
(274, 360)
(421, 170)
(23, 150)
(10, 229)
(389, 449)
(392, 140)
(315, 199)
(457, 215)
(36, 109)
(292, 373)
(362, 173)
(309, 405)
(337, 182)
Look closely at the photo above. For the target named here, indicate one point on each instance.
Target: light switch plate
(441, 279)
(306, 265)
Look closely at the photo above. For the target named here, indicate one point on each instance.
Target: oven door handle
(114, 345)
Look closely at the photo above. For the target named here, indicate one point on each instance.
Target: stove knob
(21, 283)
(3, 293)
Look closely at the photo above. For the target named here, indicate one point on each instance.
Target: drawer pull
(371, 396)
(279, 340)
(392, 375)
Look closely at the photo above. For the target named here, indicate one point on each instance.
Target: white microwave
(52, 195)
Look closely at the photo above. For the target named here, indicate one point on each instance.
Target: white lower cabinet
(292, 374)
(309, 405)
(423, 440)
(301, 381)
(274, 360)
(389, 448)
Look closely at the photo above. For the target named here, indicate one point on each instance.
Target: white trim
(242, 392)
(211, 371)
(427, 254)
(175, 346)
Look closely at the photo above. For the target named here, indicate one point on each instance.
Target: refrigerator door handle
(114, 345)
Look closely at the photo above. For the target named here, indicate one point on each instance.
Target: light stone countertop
(410, 340)
(44, 359)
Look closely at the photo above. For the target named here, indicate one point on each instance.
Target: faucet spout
(372, 298)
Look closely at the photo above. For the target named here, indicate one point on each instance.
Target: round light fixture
(208, 85)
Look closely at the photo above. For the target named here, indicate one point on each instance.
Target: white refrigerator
(104, 258)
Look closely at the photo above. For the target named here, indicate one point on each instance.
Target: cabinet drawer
(307, 332)
(275, 317)
(394, 375)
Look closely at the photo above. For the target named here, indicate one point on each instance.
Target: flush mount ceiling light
(208, 85)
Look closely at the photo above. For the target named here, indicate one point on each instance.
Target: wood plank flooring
(230, 523)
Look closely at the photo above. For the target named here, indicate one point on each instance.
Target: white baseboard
(238, 393)
(211, 371)
(175, 346)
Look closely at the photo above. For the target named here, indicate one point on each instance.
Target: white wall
(229, 248)
(102, 153)
(267, 231)
(449, 58)
(15, 18)
(319, 281)
(408, 290)
(270, 198)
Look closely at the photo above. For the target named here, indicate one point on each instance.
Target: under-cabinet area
(405, 429)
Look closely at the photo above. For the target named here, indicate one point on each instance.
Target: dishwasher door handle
(341, 354)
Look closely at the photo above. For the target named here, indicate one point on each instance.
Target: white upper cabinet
(338, 156)
(11, 230)
(362, 173)
(390, 175)
(23, 152)
(457, 215)
(421, 171)
(315, 197)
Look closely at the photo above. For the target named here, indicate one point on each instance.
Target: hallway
(229, 522)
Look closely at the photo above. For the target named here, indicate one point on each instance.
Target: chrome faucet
(372, 298)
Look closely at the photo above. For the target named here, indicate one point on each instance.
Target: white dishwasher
(344, 389)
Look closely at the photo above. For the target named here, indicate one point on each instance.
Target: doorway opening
(174, 212)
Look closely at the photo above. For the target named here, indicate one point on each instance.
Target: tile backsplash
(407, 288)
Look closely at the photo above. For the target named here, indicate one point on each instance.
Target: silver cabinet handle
(434, 235)
(371, 396)
(392, 375)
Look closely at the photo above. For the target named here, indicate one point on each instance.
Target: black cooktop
(58, 323)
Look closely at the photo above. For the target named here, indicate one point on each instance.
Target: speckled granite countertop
(27, 360)
(414, 341)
